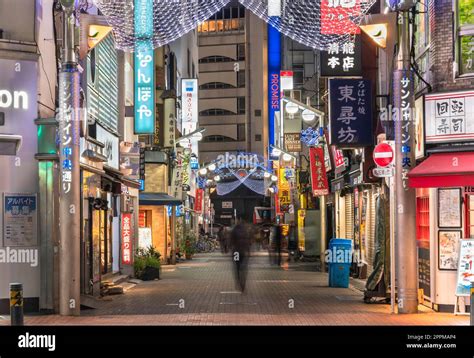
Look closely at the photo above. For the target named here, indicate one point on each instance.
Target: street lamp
(276, 152)
(267, 175)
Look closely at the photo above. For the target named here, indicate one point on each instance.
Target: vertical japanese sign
(274, 88)
(319, 181)
(284, 190)
(189, 111)
(144, 68)
(19, 220)
(177, 179)
(127, 239)
(69, 148)
(342, 59)
(337, 17)
(199, 200)
(186, 172)
(301, 232)
(403, 90)
(446, 116)
(169, 127)
(350, 112)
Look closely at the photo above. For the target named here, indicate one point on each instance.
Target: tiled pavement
(202, 292)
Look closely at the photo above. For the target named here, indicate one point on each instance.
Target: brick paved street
(206, 288)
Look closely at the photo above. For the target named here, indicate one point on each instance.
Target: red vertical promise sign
(319, 181)
(127, 239)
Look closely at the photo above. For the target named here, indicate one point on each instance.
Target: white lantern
(203, 171)
(274, 178)
(212, 167)
(267, 175)
(276, 152)
(291, 108)
(308, 115)
(287, 157)
(217, 178)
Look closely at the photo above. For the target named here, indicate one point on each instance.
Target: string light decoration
(314, 23)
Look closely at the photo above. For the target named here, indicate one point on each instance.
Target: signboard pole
(405, 198)
(69, 201)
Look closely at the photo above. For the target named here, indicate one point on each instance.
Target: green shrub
(146, 258)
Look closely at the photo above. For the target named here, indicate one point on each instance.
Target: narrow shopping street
(205, 286)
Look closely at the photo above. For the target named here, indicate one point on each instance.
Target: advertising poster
(465, 268)
(19, 219)
(449, 249)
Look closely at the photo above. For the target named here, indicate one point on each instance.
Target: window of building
(240, 105)
(229, 19)
(258, 137)
(216, 112)
(465, 21)
(217, 138)
(215, 85)
(241, 52)
(422, 41)
(241, 79)
(240, 132)
(258, 113)
(298, 75)
(214, 59)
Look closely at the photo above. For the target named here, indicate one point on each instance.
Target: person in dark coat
(240, 245)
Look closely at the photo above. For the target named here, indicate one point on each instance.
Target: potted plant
(147, 264)
(189, 246)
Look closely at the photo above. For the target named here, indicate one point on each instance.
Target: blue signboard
(350, 112)
(144, 68)
(274, 88)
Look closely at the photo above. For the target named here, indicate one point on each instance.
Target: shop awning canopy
(158, 199)
(442, 170)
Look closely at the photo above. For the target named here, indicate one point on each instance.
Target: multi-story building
(232, 82)
(27, 105)
(232, 96)
(444, 54)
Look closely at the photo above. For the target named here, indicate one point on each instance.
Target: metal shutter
(103, 92)
(349, 212)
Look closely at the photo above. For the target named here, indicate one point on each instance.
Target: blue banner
(144, 68)
(274, 88)
(350, 112)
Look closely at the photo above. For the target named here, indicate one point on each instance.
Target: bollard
(472, 303)
(16, 304)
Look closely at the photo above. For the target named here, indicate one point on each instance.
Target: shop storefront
(444, 200)
(445, 213)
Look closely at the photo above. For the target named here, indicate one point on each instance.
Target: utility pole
(69, 199)
(405, 197)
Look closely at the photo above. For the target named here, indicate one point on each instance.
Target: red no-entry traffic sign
(383, 155)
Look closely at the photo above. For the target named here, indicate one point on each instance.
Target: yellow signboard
(301, 236)
(96, 34)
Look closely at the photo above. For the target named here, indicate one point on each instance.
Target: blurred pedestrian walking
(240, 246)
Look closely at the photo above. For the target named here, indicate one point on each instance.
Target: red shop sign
(127, 239)
(198, 203)
(319, 180)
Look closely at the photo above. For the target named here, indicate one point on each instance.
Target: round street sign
(383, 155)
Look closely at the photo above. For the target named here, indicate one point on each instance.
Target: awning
(158, 199)
(443, 170)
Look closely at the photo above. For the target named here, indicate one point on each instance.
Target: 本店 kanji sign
(127, 239)
(342, 59)
(319, 181)
(350, 112)
(448, 117)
